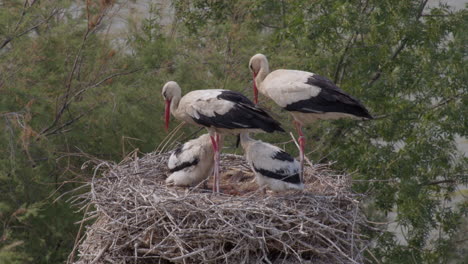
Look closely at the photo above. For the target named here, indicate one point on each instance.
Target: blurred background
(81, 80)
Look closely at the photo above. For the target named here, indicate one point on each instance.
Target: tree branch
(268, 26)
(68, 123)
(342, 57)
(102, 81)
(23, 13)
(431, 108)
(437, 182)
(398, 49)
(92, 25)
(11, 38)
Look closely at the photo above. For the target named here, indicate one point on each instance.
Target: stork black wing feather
(283, 156)
(235, 97)
(330, 99)
(279, 175)
(185, 165)
(244, 114)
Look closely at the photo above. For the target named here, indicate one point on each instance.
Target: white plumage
(191, 163)
(288, 86)
(306, 93)
(307, 96)
(273, 167)
(220, 111)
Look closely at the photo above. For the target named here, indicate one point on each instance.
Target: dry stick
(352, 231)
(337, 248)
(169, 137)
(372, 255)
(238, 215)
(190, 254)
(176, 139)
(100, 254)
(67, 192)
(75, 246)
(297, 145)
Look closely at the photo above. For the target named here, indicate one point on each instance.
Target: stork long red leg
(223, 111)
(215, 142)
(302, 142)
(219, 145)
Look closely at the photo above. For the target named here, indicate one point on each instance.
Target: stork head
(257, 63)
(170, 91)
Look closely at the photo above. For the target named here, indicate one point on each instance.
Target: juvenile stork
(191, 163)
(220, 111)
(307, 96)
(273, 167)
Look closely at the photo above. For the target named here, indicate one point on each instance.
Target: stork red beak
(167, 114)
(255, 89)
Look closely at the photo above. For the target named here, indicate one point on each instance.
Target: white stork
(307, 96)
(273, 167)
(220, 111)
(191, 163)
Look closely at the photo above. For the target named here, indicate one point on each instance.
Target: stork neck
(245, 140)
(175, 105)
(261, 75)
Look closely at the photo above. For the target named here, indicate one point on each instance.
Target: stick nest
(141, 220)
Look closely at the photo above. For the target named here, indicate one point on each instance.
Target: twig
(342, 57)
(68, 83)
(11, 38)
(80, 92)
(100, 254)
(138, 213)
(77, 238)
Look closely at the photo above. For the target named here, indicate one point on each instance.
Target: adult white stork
(307, 96)
(220, 111)
(191, 163)
(273, 167)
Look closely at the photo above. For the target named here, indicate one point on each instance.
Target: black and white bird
(191, 163)
(273, 167)
(307, 96)
(220, 111)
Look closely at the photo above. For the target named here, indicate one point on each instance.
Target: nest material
(140, 220)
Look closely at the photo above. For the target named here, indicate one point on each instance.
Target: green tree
(68, 92)
(407, 63)
(61, 95)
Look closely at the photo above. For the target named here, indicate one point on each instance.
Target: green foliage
(67, 89)
(406, 63)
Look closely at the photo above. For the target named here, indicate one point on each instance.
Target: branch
(268, 26)
(398, 49)
(68, 123)
(340, 68)
(437, 182)
(67, 100)
(11, 38)
(102, 81)
(342, 57)
(46, 132)
(431, 108)
(23, 13)
(428, 15)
